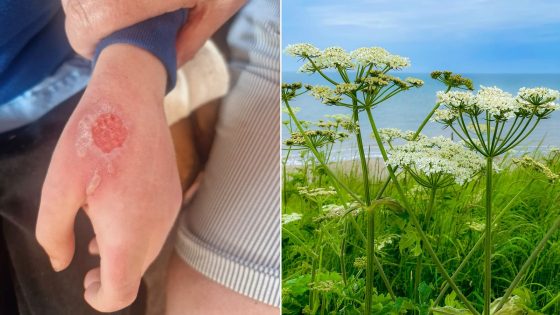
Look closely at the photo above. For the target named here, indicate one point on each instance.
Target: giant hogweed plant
(489, 123)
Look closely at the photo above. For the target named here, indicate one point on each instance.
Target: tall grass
(329, 258)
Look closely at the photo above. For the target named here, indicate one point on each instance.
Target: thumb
(203, 21)
(61, 199)
(114, 285)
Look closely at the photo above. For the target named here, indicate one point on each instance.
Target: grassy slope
(312, 247)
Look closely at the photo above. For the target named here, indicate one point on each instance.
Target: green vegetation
(405, 234)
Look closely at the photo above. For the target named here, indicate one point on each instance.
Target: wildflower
(316, 192)
(332, 211)
(318, 138)
(307, 67)
(344, 88)
(414, 82)
(290, 217)
(537, 96)
(379, 57)
(531, 164)
(452, 80)
(333, 57)
(324, 285)
(360, 262)
(303, 50)
(445, 116)
(345, 122)
(383, 242)
(475, 226)
(436, 162)
(390, 134)
(456, 99)
(289, 90)
(325, 94)
(501, 105)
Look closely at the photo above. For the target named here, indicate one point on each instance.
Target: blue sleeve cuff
(157, 35)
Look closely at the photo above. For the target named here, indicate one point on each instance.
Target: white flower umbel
(390, 134)
(290, 217)
(494, 122)
(379, 57)
(501, 105)
(333, 57)
(537, 96)
(316, 192)
(325, 94)
(436, 162)
(456, 99)
(302, 50)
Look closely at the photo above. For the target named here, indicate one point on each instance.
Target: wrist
(130, 70)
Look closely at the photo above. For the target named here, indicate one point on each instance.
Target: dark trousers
(28, 284)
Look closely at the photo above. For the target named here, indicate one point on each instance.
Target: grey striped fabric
(231, 230)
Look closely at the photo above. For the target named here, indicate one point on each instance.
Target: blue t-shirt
(33, 42)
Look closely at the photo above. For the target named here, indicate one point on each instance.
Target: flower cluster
(379, 57)
(289, 90)
(316, 192)
(344, 88)
(436, 162)
(324, 285)
(338, 58)
(537, 96)
(303, 50)
(388, 135)
(531, 164)
(499, 104)
(539, 101)
(318, 138)
(324, 94)
(332, 211)
(333, 57)
(290, 217)
(415, 82)
(452, 80)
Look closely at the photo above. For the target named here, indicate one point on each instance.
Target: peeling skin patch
(108, 132)
(101, 133)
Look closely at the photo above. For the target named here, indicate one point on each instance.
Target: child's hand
(115, 159)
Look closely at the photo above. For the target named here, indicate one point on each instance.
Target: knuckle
(77, 14)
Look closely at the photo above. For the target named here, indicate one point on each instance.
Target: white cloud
(405, 20)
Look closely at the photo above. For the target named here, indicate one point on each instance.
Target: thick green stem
(415, 221)
(347, 190)
(370, 250)
(418, 272)
(478, 243)
(529, 261)
(488, 239)
(319, 157)
(370, 245)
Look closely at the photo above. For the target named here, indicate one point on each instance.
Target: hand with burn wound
(114, 159)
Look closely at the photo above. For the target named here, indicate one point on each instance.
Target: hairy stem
(415, 221)
(488, 239)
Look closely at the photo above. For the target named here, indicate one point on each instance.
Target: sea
(408, 109)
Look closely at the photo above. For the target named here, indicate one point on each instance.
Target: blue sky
(469, 36)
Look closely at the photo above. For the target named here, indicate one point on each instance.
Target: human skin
(115, 159)
(89, 21)
(191, 293)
